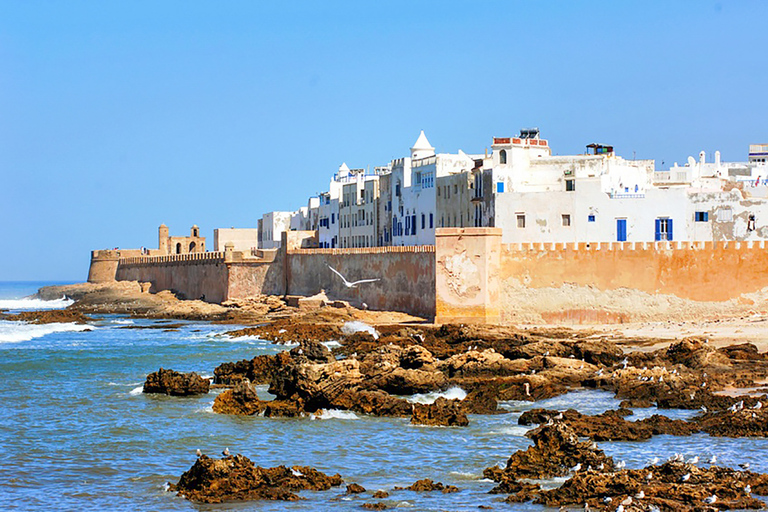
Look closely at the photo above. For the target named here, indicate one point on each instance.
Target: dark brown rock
(374, 506)
(173, 383)
(355, 489)
(664, 490)
(557, 451)
(237, 478)
(48, 316)
(381, 494)
(443, 412)
(427, 485)
(611, 425)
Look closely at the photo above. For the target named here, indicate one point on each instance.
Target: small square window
(521, 220)
(591, 218)
(701, 217)
(570, 185)
(566, 220)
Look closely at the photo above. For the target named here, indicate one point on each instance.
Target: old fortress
(476, 237)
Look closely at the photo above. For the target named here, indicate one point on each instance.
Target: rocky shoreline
(378, 367)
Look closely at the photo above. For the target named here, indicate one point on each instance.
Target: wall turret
(162, 235)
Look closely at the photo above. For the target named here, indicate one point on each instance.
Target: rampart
(468, 276)
(699, 271)
(191, 275)
(406, 276)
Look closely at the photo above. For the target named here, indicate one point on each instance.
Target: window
(413, 224)
(701, 216)
(570, 185)
(663, 229)
(430, 221)
(423, 220)
(397, 190)
(725, 215)
(407, 225)
(500, 187)
(750, 225)
(591, 218)
(520, 220)
(566, 220)
(503, 156)
(333, 218)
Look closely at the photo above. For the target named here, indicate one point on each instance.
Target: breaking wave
(334, 414)
(16, 332)
(358, 326)
(33, 303)
(429, 398)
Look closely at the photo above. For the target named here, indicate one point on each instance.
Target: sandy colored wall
(191, 275)
(587, 282)
(253, 279)
(467, 275)
(103, 267)
(407, 276)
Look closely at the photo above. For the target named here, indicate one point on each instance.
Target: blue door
(621, 230)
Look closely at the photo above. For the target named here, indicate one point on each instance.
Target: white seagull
(711, 499)
(354, 283)
(225, 452)
(199, 453)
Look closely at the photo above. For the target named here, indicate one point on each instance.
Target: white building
(534, 196)
(271, 228)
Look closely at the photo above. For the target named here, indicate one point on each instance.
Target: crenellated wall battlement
(635, 246)
(368, 250)
(173, 259)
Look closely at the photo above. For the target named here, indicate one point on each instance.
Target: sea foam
(358, 326)
(334, 414)
(429, 398)
(33, 303)
(15, 332)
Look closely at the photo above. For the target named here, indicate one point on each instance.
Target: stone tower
(162, 239)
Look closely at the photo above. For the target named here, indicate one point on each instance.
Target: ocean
(76, 432)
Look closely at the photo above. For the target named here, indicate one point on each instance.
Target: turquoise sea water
(76, 433)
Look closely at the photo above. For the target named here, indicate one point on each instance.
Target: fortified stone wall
(407, 276)
(193, 276)
(700, 271)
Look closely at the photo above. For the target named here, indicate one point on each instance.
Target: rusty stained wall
(467, 275)
(253, 279)
(192, 279)
(700, 271)
(407, 278)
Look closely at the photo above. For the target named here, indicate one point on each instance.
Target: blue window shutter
(669, 229)
(500, 187)
(658, 230)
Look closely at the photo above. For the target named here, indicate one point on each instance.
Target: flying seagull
(354, 283)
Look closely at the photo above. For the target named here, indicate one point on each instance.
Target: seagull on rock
(199, 453)
(225, 452)
(352, 284)
(711, 499)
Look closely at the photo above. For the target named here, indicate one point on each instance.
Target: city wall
(193, 275)
(406, 276)
(468, 276)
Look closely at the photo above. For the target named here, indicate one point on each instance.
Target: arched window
(178, 248)
(503, 156)
(192, 246)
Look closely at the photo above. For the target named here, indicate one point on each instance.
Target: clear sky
(118, 116)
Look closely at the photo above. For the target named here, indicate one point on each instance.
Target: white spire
(343, 167)
(421, 148)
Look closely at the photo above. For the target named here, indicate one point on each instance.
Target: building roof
(422, 142)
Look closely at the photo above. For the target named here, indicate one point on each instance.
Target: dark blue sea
(76, 433)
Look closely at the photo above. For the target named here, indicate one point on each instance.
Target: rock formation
(237, 478)
(173, 383)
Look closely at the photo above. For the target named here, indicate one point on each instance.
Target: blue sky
(118, 116)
